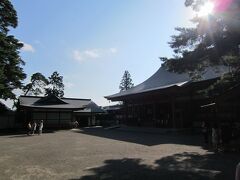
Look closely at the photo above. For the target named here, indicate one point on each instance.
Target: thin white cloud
(37, 42)
(77, 55)
(113, 50)
(93, 53)
(27, 47)
(69, 85)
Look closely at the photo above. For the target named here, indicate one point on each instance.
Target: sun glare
(206, 9)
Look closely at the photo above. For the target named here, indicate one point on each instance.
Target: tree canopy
(126, 82)
(37, 85)
(214, 39)
(11, 71)
(55, 86)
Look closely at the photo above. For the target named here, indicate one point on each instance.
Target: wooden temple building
(166, 99)
(59, 112)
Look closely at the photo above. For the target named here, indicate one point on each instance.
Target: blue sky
(92, 42)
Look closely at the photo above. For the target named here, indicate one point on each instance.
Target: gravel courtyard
(96, 153)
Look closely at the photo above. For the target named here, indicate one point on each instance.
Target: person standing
(29, 127)
(34, 126)
(205, 131)
(215, 137)
(40, 127)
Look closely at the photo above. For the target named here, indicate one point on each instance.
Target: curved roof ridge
(156, 81)
(163, 78)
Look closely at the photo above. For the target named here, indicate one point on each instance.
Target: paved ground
(110, 154)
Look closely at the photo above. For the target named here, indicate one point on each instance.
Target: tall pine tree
(37, 85)
(126, 82)
(56, 86)
(11, 71)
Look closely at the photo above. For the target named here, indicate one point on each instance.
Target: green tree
(56, 86)
(11, 71)
(126, 82)
(214, 40)
(37, 85)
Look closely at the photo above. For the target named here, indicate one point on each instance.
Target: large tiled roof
(163, 79)
(58, 103)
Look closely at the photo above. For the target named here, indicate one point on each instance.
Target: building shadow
(14, 133)
(143, 138)
(185, 166)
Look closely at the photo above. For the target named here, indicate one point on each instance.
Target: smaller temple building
(59, 112)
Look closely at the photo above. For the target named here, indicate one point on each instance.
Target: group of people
(75, 124)
(33, 126)
(216, 135)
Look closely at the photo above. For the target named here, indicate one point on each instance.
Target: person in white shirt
(34, 127)
(40, 127)
(29, 128)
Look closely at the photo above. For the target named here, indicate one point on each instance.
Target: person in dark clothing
(205, 131)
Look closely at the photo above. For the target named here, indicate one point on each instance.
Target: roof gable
(51, 99)
(91, 107)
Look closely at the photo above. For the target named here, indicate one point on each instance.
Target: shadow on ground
(15, 133)
(142, 138)
(185, 166)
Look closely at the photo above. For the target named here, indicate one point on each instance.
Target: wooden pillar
(25, 116)
(126, 112)
(131, 113)
(72, 116)
(91, 119)
(31, 115)
(173, 111)
(144, 115)
(59, 119)
(154, 114)
(191, 108)
(46, 117)
(216, 120)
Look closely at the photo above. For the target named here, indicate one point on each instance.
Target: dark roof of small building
(163, 79)
(53, 102)
(91, 108)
